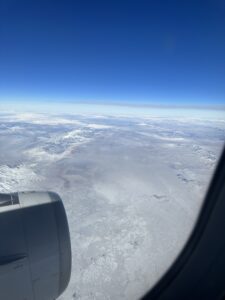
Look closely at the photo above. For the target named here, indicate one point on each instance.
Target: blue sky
(155, 52)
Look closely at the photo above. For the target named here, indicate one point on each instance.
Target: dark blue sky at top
(159, 52)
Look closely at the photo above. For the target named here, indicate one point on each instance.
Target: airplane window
(119, 108)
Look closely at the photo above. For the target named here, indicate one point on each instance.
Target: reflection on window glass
(5, 200)
(8, 199)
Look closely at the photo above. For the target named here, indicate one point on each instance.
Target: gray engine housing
(35, 250)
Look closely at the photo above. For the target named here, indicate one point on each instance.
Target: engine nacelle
(35, 250)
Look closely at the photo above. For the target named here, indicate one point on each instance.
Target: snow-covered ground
(132, 188)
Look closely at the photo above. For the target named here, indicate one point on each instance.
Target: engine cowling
(35, 250)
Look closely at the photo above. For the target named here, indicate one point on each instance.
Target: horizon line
(141, 104)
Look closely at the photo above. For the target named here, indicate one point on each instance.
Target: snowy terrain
(132, 189)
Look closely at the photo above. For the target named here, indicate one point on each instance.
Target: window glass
(119, 107)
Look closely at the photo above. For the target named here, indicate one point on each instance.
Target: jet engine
(35, 250)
